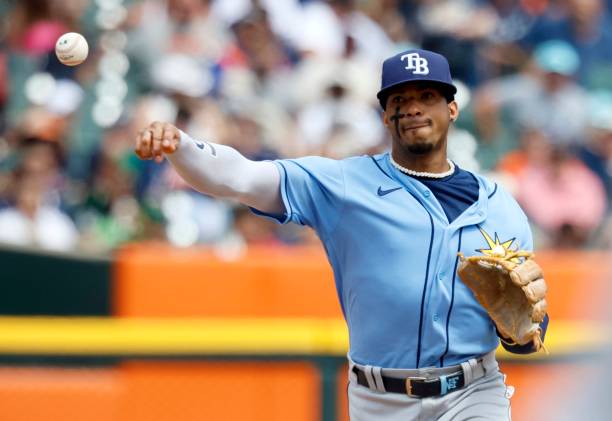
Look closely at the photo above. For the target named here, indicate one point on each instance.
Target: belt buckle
(409, 385)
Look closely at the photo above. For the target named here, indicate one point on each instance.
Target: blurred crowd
(278, 79)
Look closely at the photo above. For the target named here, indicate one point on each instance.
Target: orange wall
(155, 281)
(36, 394)
(579, 284)
(162, 391)
(195, 391)
(158, 281)
(165, 282)
(219, 391)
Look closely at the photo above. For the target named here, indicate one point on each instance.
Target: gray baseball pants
(484, 397)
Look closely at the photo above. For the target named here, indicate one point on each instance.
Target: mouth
(416, 125)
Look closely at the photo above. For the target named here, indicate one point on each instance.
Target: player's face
(418, 116)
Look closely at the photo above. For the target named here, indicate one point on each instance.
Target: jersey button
(436, 317)
(426, 193)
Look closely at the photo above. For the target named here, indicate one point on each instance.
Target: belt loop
(367, 370)
(378, 381)
(489, 363)
(473, 365)
(467, 372)
(475, 371)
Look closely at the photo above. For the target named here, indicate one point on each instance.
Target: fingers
(536, 290)
(526, 272)
(143, 144)
(170, 139)
(157, 129)
(156, 140)
(539, 311)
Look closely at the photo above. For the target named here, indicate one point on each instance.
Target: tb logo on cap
(416, 63)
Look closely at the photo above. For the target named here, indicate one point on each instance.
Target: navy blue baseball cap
(415, 65)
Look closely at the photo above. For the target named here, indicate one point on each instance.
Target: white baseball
(71, 49)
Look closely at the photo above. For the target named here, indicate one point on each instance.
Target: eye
(427, 95)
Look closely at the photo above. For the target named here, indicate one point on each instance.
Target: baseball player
(422, 346)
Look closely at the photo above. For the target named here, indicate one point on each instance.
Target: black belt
(417, 386)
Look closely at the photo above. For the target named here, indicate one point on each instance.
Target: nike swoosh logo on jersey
(201, 146)
(382, 192)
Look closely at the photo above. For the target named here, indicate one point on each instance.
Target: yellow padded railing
(162, 337)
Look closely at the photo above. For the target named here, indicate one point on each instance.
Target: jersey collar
(473, 215)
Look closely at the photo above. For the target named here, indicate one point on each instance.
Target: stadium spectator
(543, 96)
(284, 79)
(587, 26)
(563, 199)
(35, 217)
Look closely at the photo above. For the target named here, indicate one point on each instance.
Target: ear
(453, 110)
(385, 119)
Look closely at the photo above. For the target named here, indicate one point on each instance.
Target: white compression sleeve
(221, 171)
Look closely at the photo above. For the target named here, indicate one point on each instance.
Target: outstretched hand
(157, 139)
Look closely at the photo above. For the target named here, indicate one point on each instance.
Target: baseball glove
(512, 290)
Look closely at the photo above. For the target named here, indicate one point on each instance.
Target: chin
(420, 148)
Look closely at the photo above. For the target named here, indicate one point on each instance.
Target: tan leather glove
(512, 290)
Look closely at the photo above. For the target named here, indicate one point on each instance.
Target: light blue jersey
(394, 257)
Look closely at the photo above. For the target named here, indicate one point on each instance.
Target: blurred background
(128, 296)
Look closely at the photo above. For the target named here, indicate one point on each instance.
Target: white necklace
(414, 173)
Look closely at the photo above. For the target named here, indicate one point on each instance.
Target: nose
(413, 109)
